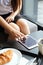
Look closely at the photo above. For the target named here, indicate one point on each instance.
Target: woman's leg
(16, 27)
(24, 28)
(11, 31)
(8, 27)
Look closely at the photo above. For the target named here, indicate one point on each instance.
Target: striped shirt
(5, 7)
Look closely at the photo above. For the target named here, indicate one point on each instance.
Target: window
(30, 9)
(33, 9)
(40, 12)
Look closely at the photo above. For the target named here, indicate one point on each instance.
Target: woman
(14, 24)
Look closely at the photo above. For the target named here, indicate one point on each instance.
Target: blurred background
(33, 10)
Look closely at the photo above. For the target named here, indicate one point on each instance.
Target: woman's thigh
(24, 28)
(16, 27)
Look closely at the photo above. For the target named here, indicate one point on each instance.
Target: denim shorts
(15, 19)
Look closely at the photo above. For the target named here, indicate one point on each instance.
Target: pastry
(5, 57)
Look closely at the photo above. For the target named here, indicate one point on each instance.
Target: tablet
(29, 42)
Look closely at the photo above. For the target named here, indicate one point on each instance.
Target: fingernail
(16, 39)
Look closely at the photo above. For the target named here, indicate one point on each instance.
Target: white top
(5, 6)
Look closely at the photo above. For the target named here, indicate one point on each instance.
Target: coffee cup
(40, 46)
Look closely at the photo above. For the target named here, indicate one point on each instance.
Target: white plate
(16, 56)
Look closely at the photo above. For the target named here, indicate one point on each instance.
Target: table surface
(36, 35)
(34, 52)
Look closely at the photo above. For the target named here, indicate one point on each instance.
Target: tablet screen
(29, 42)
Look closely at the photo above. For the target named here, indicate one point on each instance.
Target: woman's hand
(10, 18)
(17, 35)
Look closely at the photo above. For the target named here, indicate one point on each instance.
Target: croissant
(6, 57)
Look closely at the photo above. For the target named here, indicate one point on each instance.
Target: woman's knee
(15, 26)
(22, 23)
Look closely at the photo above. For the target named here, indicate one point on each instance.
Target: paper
(25, 61)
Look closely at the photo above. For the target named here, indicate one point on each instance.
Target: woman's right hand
(17, 35)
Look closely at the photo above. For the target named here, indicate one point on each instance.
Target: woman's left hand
(10, 18)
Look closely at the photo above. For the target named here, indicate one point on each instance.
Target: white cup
(40, 46)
